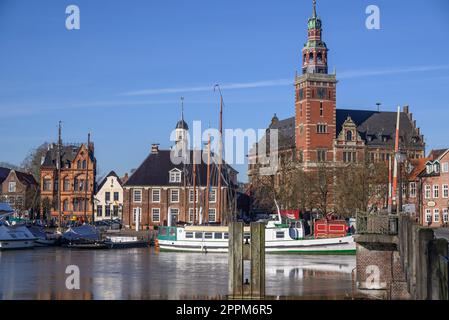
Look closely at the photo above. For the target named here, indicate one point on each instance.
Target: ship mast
(220, 153)
(396, 163)
(86, 202)
(206, 214)
(58, 167)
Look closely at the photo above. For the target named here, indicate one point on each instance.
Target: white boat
(279, 238)
(13, 237)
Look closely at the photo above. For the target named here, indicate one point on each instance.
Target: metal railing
(376, 223)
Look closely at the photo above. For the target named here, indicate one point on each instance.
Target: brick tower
(315, 99)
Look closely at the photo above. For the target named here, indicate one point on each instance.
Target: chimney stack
(155, 148)
(406, 109)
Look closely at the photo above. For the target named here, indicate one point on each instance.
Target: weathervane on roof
(314, 8)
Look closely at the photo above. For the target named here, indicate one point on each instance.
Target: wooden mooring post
(242, 286)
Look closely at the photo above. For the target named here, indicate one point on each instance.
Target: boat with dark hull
(83, 237)
(120, 242)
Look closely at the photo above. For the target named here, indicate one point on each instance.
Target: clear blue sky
(81, 77)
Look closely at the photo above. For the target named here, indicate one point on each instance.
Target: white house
(109, 198)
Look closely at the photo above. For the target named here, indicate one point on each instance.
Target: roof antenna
(378, 104)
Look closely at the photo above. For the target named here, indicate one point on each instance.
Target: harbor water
(146, 274)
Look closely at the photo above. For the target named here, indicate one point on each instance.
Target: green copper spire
(314, 8)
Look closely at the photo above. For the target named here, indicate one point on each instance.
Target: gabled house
(19, 190)
(108, 200)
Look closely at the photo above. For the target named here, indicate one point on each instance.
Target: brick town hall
(319, 132)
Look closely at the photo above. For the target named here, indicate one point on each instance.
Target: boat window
(189, 235)
(226, 235)
(208, 235)
(198, 235)
(163, 231)
(279, 234)
(172, 231)
(218, 235)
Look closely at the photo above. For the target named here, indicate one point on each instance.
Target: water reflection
(144, 274)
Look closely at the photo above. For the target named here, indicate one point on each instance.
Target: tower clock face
(322, 93)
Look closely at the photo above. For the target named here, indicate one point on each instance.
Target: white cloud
(350, 74)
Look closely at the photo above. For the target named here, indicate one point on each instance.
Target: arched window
(319, 57)
(349, 135)
(311, 57)
(65, 205)
(66, 186)
(84, 164)
(78, 164)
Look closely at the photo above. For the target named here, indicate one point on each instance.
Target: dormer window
(175, 176)
(428, 168)
(436, 167)
(349, 135)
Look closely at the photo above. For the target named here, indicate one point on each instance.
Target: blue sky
(252, 48)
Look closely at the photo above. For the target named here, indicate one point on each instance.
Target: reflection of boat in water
(13, 237)
(83, 237)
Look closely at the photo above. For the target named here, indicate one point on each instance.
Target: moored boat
(83, 237)
(122, 242)
(279, 238)
(13, 237)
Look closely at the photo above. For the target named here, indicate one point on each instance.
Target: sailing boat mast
(58, 167)
(184, 157)
(194, 192)
(206, 214)
(86, 187)
(396, 163)
(220, 153)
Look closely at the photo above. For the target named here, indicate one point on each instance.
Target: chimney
(406, 109)
(155, 148)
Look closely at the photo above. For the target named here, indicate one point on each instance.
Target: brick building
(19, 190)
(321, 133)
(77, 181)
(161, 192)
(428, 189)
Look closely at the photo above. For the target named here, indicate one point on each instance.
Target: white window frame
(12, 186)
(175, 176)
(445, 167)
(214, 214)
(191, 195)
(412, 189)
(428, 215)
(436, 191)
(135, 192)
(436, 215)
(135, 209)
(445, 215)
(156, 211)
(445, 192)
(190, 217)
(172, 191)
(213, 199)
(427, 191)
(153, 191)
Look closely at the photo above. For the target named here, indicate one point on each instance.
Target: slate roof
(25, 178)
(110, 174)
(4, 174)
(68, 153)
(372, 124)
(154, 171)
